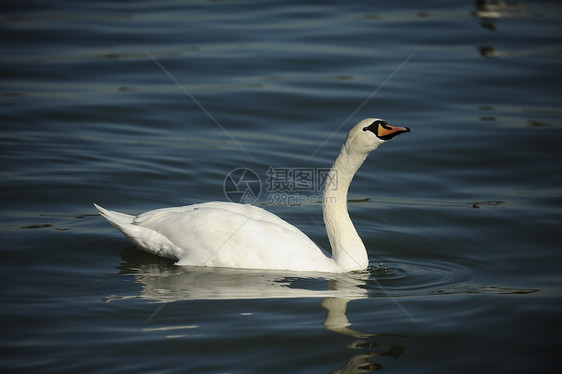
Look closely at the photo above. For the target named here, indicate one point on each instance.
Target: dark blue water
(144, 105)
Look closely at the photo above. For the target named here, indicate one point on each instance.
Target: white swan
(224, 234)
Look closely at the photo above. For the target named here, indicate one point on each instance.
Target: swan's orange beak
(386, 132)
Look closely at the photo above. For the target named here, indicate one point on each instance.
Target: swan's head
(368, 134)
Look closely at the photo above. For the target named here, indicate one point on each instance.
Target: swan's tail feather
(119, 220)
(146, 239)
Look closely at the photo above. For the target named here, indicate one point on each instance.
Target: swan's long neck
(348, 251)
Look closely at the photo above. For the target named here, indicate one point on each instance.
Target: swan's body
(235, 235)
(224, 234)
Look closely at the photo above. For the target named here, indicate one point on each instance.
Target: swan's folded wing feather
(245, 210)
(233, 235)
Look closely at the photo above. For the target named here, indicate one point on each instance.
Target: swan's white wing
(227, 208)
(233, 235)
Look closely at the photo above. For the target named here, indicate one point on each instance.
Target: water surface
(143, 105)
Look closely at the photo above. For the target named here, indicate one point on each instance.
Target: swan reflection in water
(164, 282)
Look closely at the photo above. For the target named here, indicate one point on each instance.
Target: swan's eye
(372, 127)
